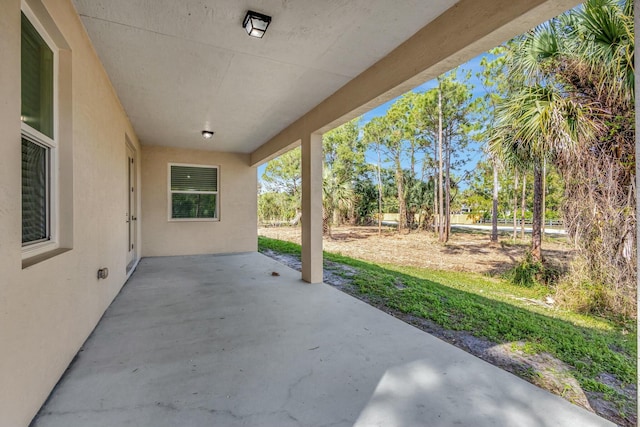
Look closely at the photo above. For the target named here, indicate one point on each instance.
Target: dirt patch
(541, 369)
(624, 403)
(334, 274)
(466, 251)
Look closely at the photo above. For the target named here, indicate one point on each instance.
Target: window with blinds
(193, 192)
(38, 137)
(35, 197)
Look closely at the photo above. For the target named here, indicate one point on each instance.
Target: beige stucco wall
(237, 229)
(48, 310)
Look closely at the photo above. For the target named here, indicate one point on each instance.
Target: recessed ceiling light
(207, 134)
(256, 23)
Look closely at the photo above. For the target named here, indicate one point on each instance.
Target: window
(39, 142)
(193, 193)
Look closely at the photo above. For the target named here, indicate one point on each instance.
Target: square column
(312, 208)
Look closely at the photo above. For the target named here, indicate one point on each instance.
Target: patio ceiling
(181, 67)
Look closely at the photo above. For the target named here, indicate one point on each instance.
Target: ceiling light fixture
(256, 23)
(207, 134)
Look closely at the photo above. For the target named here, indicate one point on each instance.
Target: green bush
(526, 273)
(529, 273)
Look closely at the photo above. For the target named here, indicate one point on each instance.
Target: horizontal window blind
(194, 192)
(192, 178)
(34, 192)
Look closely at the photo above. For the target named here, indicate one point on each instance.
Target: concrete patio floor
(219, 341)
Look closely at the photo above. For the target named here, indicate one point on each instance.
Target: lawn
(492, 309)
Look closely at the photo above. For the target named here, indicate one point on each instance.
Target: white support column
(312, 208)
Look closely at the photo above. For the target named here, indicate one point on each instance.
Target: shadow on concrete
(220, 340)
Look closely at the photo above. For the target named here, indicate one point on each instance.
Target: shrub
(578, 292)
(529, 273)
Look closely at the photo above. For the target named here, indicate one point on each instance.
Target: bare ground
(465, 252)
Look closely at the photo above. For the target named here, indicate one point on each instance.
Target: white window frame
(51, 144)
(170, 192)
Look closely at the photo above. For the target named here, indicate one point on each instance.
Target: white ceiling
(182, 66)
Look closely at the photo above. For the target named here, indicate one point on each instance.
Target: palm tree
(494, 204)
(596, 64)
(600, 49)
(336, 196)
(572, 74)
(534, 124)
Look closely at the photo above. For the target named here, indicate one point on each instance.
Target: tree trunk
(411, 218)
(379, 196)
(515, 206)
(435, 204)
(436, 223)
(409, 211)
(536, 234)
(337, 217)
(440, 192)
(544, 193)
(424, 207)
(402, 204)
(524, 203)
(494, 211)
(447, 190)
(412, 159)
(326, 223)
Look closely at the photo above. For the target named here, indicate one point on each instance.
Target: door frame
(131, 214)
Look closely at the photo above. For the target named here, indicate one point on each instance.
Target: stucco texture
(47, 310)
(236, 231)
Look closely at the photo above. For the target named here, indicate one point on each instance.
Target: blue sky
(478, 91)
(473, 65)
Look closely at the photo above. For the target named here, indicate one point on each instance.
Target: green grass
(492, 308)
